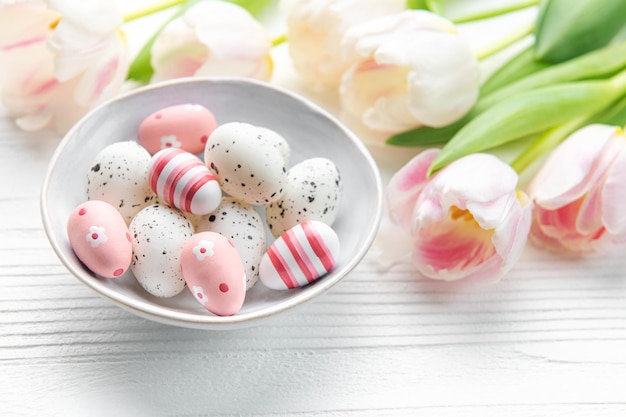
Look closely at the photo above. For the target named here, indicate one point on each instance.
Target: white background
(549, 340)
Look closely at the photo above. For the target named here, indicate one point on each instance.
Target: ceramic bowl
(310, 131)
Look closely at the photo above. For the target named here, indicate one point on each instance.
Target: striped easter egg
(299, 256)
(183, 181)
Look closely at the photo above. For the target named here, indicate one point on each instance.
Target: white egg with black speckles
(279, 141)
(243, 225)
(247, 165)
(119, 176)
(158, 234)
(313, 192)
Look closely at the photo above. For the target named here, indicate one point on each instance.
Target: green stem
(485, 14)
(505, 41)
(154, 8)
(544, 143)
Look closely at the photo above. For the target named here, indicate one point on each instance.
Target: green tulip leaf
(525, 114)
(569, 28)
(518, 67)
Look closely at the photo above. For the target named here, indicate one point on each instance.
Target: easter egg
(244, 227)
(119, 176)
(184, 126)
(279, 141)
(247, 165)
(158, 234)
(214, 273)
(312, 192)
(100, 239)
(300, 256)
(183, 181)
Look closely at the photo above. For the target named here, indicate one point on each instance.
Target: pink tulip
(212, 38)
(579, 194)
(59, 58)
(468, 221)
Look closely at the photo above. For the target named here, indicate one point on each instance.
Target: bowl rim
(209, 321)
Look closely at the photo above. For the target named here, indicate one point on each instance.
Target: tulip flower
(413, 69)
(579, 194)
(212, 38)
(315, 29)
(468, 221)
(59, 58)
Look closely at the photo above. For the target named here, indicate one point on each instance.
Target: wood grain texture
(550, 339)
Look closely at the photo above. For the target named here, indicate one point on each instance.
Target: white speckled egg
(247, 164)
(312, 192)
(119, 176)
(278, 141)
(240, 223)
(158, 235)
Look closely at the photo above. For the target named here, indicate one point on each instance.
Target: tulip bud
(578, 194)
(212, 38)
(412, 69)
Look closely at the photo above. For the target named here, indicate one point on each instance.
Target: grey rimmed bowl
(310, 131)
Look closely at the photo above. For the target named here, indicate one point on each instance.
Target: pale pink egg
(100, 239)
(299, 256)
(185, 126)
(214, 273)
(183, 181)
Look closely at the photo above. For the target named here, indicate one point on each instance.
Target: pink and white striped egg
(185, 126)
(300, 256)
(214, 273)
(100, 239)
(182, 180)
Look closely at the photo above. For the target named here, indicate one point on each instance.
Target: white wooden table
(549, 340)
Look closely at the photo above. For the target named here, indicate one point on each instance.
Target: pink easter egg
(214, 273)
(299, 256)
(185, 126)
(183, 181)
(100, 239)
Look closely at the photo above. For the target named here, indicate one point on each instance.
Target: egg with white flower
(100, 239)
(214, 273)
(185, 126)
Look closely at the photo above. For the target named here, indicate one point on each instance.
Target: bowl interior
(310, 131)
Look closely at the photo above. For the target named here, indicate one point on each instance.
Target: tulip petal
(614, 194)
(176, 52)
(471, 178)
(452, 249)
(406, 185)
(565, 176)
(24, 27)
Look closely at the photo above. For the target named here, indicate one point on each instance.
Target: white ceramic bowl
(310, 132)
